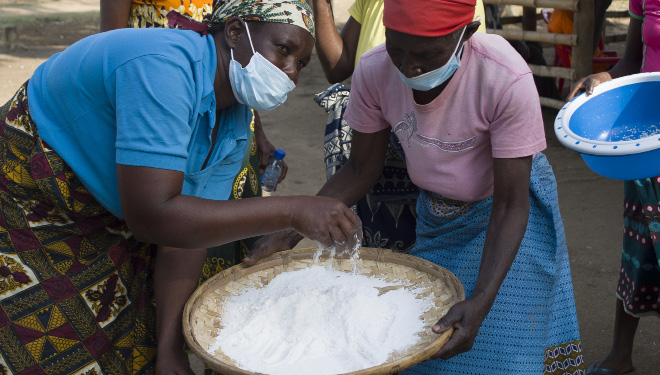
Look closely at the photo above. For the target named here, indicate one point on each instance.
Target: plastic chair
(563, 53)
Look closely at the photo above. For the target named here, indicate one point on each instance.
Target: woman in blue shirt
(110, 159)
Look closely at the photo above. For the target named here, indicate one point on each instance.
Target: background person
(639, 279)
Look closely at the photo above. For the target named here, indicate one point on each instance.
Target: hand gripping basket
(201, 321)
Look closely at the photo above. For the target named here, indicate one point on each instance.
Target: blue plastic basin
(624, 113)
(617, 128)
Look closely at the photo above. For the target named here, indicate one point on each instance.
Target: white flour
(318, 321)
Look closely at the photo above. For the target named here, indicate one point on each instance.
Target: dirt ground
(591, 205)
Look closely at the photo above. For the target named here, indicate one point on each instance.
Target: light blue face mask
(260, 85)
(437, 77)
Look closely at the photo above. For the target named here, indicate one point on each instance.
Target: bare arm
(506, 228)
(114, 14)
(363, 168)
(631, 62)
(348, 185)
(600, 8)
(176, 278)
(157, 212)
(336, 52)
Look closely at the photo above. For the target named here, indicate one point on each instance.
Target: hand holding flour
(326, 220)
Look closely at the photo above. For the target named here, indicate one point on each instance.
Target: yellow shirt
(369, 14)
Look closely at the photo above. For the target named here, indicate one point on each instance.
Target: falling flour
(319, 321)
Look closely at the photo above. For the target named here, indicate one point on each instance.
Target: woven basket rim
(284, 258)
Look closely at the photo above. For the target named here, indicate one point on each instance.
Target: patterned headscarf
(293, 12)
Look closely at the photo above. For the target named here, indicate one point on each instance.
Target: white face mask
(260, 85)
(437, 77)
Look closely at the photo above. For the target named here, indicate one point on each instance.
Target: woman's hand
(321, 219)
(271, 244)
(466, 318)
(328, 221)
(588, 83)
(631, 63)
(265, 149)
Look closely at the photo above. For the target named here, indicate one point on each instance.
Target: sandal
(595, 370)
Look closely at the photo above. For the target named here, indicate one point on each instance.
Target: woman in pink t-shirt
(465, 110)
(639, 279)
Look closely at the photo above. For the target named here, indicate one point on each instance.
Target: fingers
(356, 231)
(465, 329)
(591, 84)
(456, 341)
(257, 252)
(266, 246)
(263, 161)
(588, 84)
(285, 168)
(577, 89)
(324, 238)
(264, 154)
(455, 345)
(339, 237)
(447, 321)
(329, 222)
(349, 234)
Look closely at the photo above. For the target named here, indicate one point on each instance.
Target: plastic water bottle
(273, 170)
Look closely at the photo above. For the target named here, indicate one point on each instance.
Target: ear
(234, 28)
(470, 29)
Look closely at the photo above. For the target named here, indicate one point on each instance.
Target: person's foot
(610, 366)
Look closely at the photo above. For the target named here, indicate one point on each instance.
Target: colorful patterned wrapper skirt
(76, 288)
(639, 278)
(532, 327)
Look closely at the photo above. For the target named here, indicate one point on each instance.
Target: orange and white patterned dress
(153, 13)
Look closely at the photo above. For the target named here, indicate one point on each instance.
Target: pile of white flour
(318, 321)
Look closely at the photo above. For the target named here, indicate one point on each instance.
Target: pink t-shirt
(490, 109)
(649, 12)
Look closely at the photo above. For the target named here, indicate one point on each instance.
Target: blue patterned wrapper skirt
(532, 327)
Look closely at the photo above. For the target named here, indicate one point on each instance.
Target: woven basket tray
(201, 321)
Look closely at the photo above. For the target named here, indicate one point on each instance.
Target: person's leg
(619, 357)
(176, 278)
(600, 8)
(638, 275)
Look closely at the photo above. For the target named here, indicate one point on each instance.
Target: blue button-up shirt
(139, 97)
